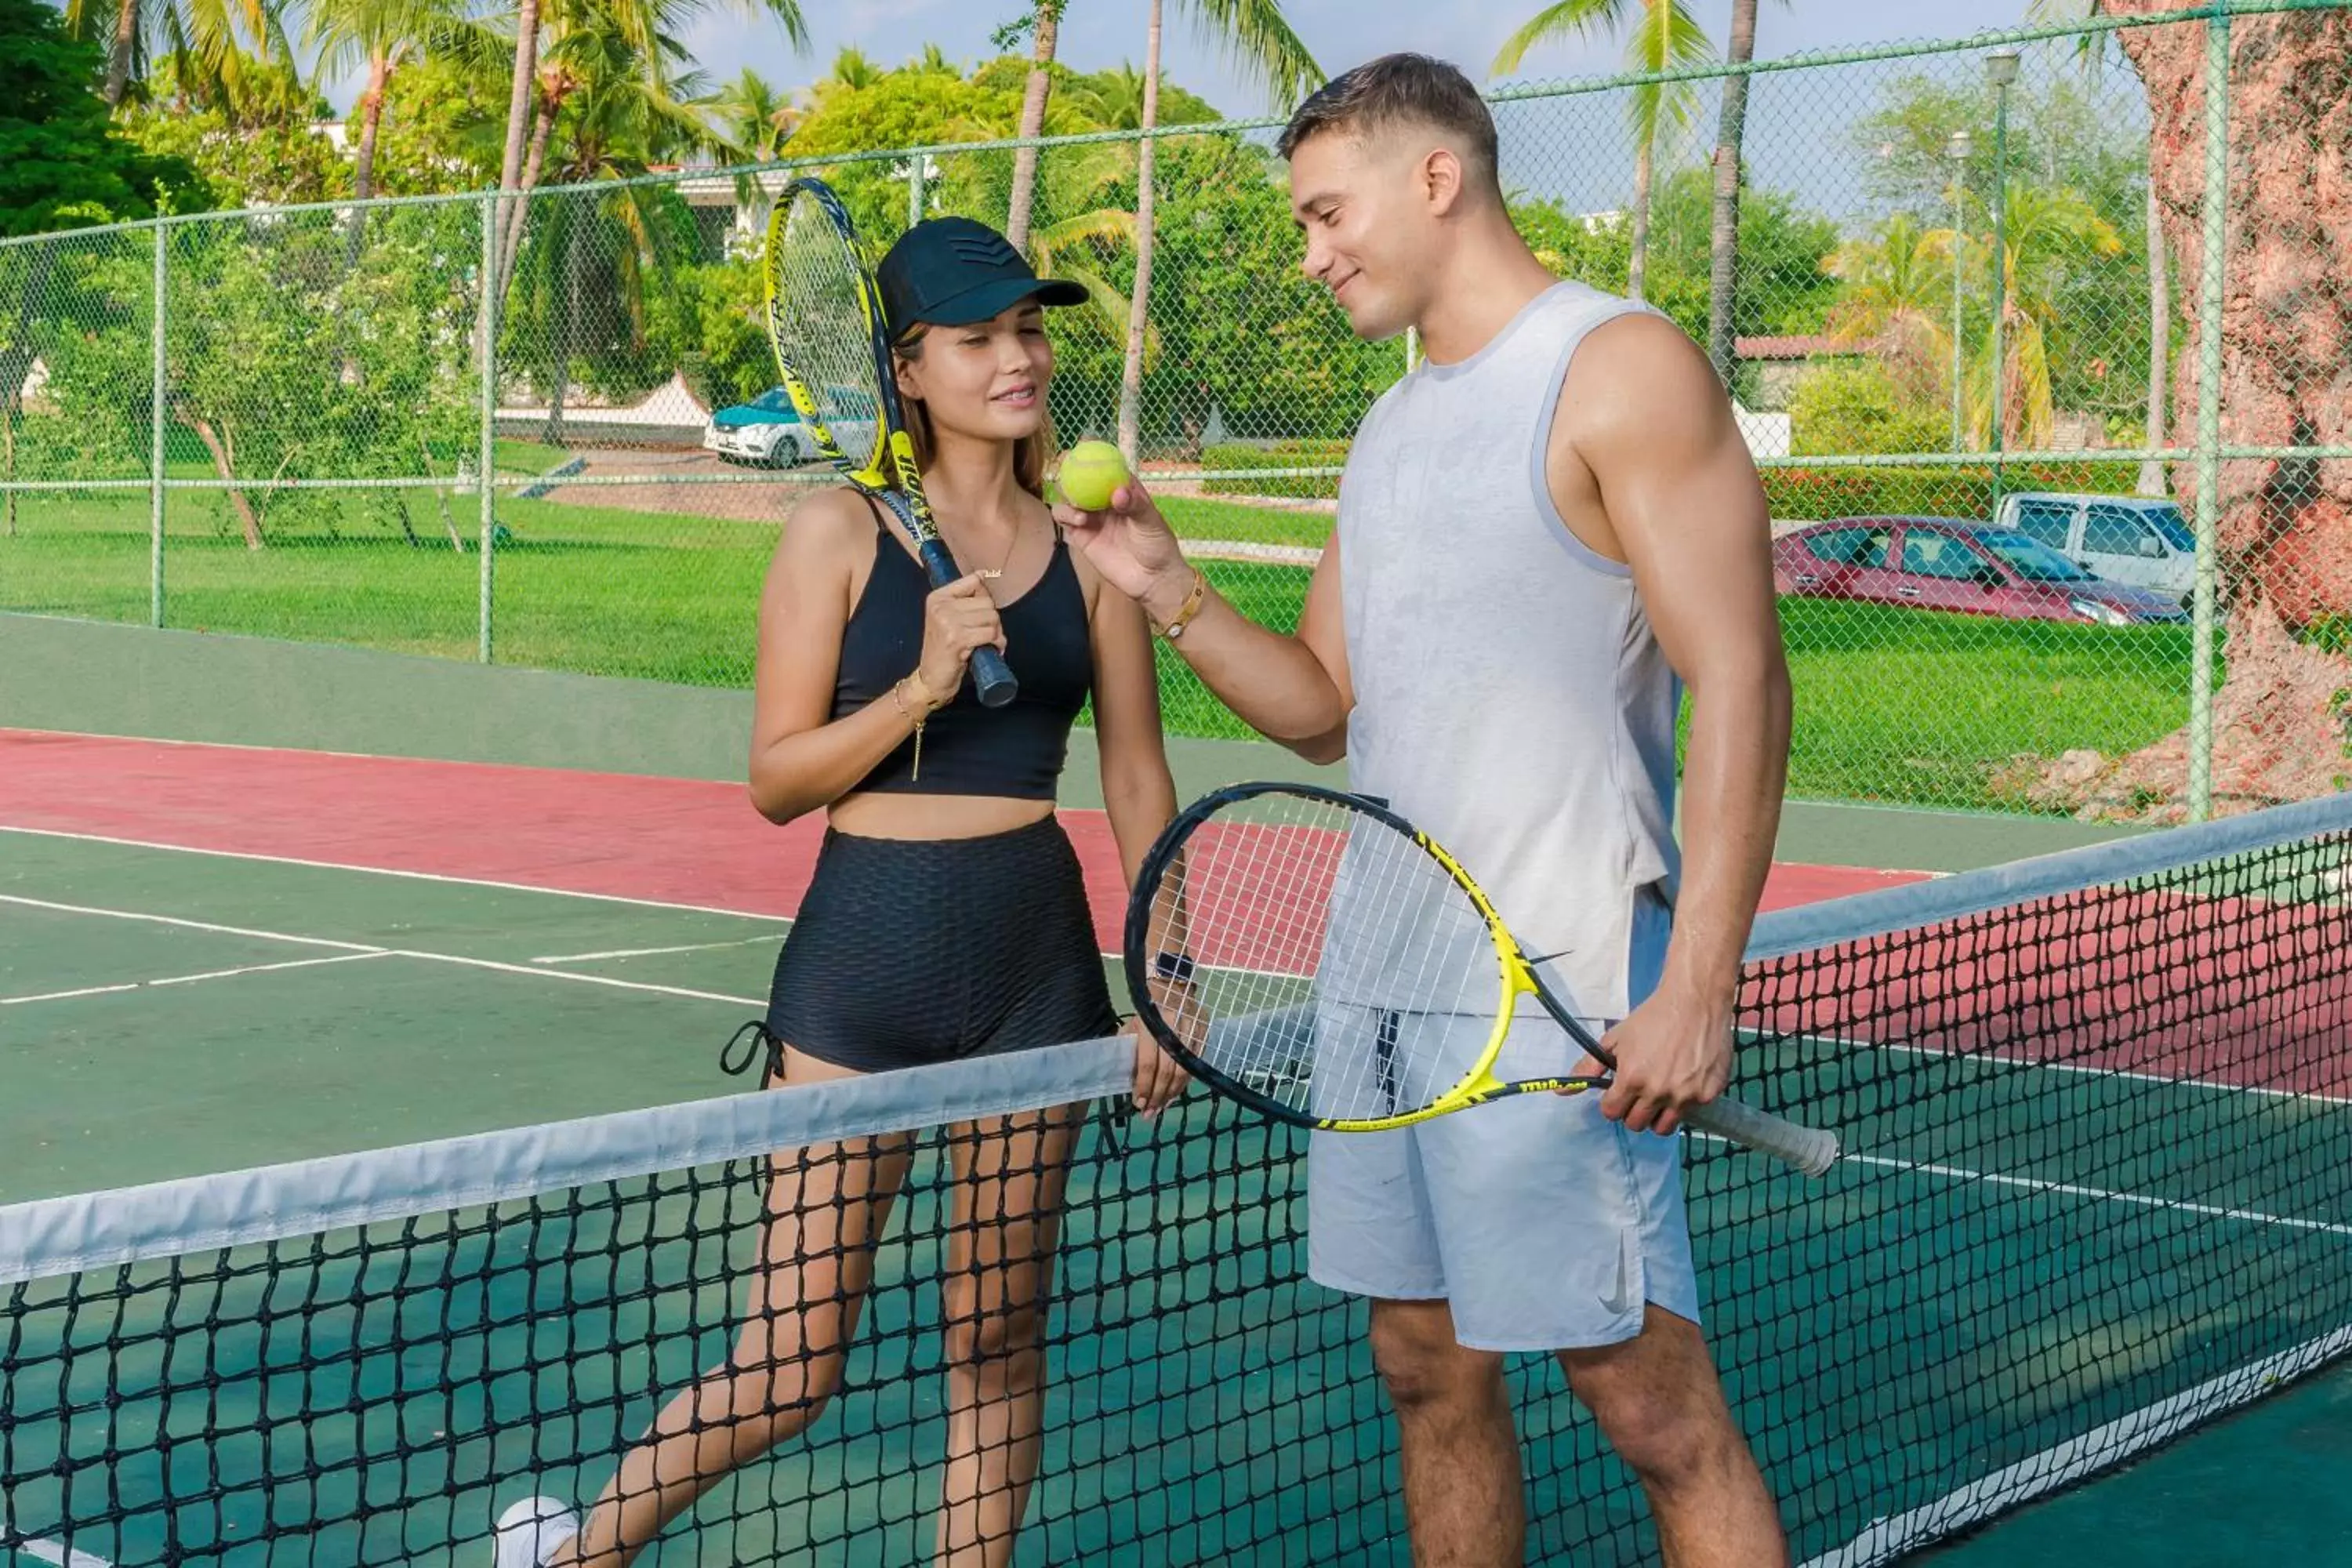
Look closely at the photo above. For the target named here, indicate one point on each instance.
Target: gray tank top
(1511, 697)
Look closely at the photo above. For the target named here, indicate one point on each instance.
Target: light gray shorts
(1542, 1223)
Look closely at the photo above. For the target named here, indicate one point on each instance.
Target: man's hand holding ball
(1106, 512)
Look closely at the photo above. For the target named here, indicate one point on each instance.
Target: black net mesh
(2098, 1187)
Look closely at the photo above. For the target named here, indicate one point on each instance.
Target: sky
(1100, 33)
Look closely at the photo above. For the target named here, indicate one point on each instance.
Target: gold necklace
(1007, 560)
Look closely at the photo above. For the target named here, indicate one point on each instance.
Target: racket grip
(993, 677)
(990, 673)
(1809, 1149)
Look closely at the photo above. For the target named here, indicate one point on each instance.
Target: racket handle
(1809, 1149)
(993, 677)
(990, 673)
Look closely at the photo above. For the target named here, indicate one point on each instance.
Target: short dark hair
(1401, 89)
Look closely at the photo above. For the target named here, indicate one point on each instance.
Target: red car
(1948, 563)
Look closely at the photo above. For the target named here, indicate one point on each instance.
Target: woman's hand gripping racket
(1314, 955)
(825, 323)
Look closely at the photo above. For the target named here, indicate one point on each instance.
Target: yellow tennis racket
(1311, 954)
(832, 347)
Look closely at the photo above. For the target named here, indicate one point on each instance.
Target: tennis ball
(1091, 472)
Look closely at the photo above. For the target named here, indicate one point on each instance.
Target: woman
(941, 813)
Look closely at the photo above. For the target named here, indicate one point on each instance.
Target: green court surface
(166, 1013)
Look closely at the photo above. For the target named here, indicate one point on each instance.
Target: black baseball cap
(950, 271)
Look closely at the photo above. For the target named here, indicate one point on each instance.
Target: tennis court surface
(2097, 1110)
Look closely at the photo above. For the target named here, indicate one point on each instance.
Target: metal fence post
(155, 440)
(2001, 67)
(485, 455)
(2209, 411)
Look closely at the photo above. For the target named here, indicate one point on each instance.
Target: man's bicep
(1321, 627)
(1682, 497)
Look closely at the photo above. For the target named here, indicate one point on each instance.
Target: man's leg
(1461, 1453)
(1659, 1404)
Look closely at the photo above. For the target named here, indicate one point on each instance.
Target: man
(1545, 531)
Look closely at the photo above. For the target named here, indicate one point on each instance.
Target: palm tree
(622, 107)
(1898, 280)
(2091, 51)
(2046, 229)
(1045, 26)
(754, 115)
(202, 37)
(1731, 131)
(1260, 40)
(527, 125)
(384, 34)
(1139, 301)
(1664, 36)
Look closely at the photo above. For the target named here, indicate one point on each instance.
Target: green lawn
(1197, 519)
(1899, 706)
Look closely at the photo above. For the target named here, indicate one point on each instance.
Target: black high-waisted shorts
(914, 951)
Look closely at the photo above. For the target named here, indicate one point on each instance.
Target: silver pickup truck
(2140, 540)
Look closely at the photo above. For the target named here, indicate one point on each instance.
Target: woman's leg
(828, 1205)
(1010, 1176)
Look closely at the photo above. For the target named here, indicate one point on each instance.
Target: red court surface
(2241, 980)
(673, 841)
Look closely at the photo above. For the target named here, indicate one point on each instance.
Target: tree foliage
(61, 163)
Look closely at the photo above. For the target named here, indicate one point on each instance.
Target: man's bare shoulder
(1639, 379)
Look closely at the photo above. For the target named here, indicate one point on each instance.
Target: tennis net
(2097, 1111)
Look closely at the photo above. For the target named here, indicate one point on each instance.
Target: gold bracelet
(1193, 601)
(921, 717)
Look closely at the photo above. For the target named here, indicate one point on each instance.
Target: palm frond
(1564, 19)
(1106, 310)
(1108, 225)
(1259, 40)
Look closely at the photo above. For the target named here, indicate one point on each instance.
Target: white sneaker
(529, 1532)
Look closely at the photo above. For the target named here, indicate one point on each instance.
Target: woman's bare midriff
(885, 815)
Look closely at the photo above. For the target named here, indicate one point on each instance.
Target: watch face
(1173, 966)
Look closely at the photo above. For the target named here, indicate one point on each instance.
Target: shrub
(1803, 495)
(1281, 455)
(1857, 409)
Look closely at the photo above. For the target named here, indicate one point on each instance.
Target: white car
(765, 431)
(2140, 540)
(768, 430)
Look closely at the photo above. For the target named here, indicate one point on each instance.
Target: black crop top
(1016, 749)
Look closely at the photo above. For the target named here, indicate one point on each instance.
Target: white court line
(651, 952)
(2001, 1059)
(367, 950)
(191, 979)
(2072, 1189)
(2070, 1461)
(388, 871)
(51, 1551)
(770, 916)
(212, 927)
(2103, 1195)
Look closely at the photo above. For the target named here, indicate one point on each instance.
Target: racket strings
(823, 329)
(1340, 970)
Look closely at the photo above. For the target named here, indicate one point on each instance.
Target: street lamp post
(2001, 67)
(1957, 150)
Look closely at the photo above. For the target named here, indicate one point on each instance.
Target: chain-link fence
(2020, 453)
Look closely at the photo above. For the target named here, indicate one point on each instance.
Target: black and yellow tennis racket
(1311, 954)
(833, 346)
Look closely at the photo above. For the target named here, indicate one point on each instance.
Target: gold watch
(1175, 626)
